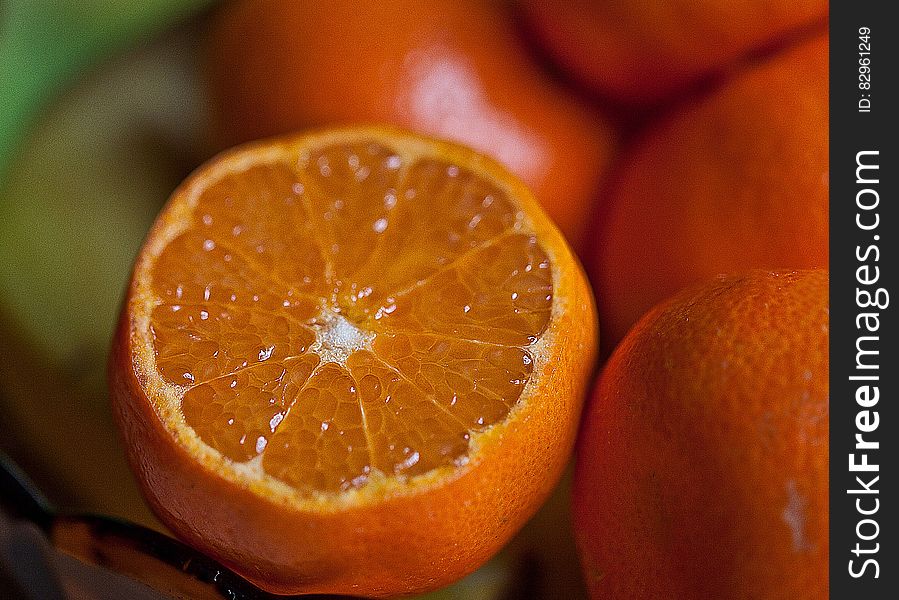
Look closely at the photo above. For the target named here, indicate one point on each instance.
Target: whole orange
(702, 462)
(640, 52)
(455, 70)
(736, 180)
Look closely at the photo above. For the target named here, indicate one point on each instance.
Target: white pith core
(336, 338)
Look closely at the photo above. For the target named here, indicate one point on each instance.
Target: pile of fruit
(358, 348)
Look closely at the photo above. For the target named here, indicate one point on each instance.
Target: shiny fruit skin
(452, 70)
(702, 462)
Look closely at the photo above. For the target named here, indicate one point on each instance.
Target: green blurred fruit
(43, 45)
(74, 209)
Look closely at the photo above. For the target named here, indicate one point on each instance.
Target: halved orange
(351, 361)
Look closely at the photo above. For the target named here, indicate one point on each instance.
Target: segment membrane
(260, 215)
(239, 413)
(351, 191)
(322, 443)
(500, 294)
(442, 213)
(476, 383)
(409, 433)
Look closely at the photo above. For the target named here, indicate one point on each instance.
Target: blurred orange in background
(640, 52)
(452, 70)
(733, 180)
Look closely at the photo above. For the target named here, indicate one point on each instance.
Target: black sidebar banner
(864, 270)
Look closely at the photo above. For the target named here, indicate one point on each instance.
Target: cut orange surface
(351, 361)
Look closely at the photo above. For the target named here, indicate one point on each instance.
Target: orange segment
(323, 442)
(270, 194)
(476, 383)
(500, 294)
(239, 412)
(333, 321)
(408, 432)
(445, 212)
(351, 190)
